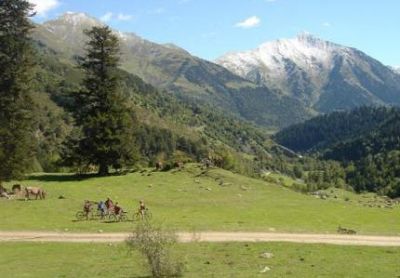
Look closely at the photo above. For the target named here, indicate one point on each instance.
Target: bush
(155, 244)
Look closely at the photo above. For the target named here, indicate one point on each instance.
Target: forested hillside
(167, 126)
(366, 141)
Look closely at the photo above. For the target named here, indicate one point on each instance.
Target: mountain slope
(322, 75)
(167, 126)
(366, 141)
(171, 68)
(325, 131)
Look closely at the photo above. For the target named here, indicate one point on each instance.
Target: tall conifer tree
(17, 142)
(102, 110)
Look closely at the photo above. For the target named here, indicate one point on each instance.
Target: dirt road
(207, 237)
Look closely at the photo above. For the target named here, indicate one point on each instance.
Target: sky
(211, 28)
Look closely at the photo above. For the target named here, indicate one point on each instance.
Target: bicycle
(122, 217)
(81, 215)
(145, 215)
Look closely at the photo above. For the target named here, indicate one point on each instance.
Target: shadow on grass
(60, 177)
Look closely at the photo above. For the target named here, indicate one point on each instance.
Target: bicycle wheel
(136, 216)
(112, 217)
(148, 215)
(80, 215)
(123, 217)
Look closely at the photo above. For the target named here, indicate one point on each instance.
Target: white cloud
(110, 16)
(106, 17)
(157, 11)
(327, 24)
(124, 17)
(43, 6)
(250, 22)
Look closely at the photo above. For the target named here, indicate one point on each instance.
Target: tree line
(366, 141)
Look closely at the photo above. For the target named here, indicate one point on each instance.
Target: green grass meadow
(191, 200)
(201, 260)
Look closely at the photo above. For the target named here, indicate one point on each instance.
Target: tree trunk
(103, 170)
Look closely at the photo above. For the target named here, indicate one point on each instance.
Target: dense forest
(366, 141)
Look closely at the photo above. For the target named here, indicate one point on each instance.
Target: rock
(197, 181)
(209, 189)
(265, 269)
(266, 255)
(244, 188)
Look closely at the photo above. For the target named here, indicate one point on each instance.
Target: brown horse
(35, 191)
(159, 165)
(16, 188)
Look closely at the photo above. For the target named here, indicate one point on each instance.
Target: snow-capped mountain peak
(70, 22)
(305, 50)
(313, 70)
(396, 69)
(75, 18)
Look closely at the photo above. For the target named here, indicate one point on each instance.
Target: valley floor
(201, 260)
(194, 200)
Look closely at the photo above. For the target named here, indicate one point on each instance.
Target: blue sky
(210, 28)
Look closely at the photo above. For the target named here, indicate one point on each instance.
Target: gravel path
(32, 236)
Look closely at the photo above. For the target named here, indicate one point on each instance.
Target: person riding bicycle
(117, 209)
(87, 207)
(142, 208)
(109, 204)
(101, 207)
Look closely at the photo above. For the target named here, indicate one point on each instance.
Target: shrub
(155, 244)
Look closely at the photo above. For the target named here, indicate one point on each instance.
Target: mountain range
(278, 84)
(323, 75)
(170, 68)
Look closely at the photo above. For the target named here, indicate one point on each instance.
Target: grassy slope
(186, 201)
(202, 260)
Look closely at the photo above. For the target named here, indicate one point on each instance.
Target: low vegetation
(193, 199)
(201, 259)
(156, 244)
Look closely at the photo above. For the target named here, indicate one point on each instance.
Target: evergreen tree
(102, 110)
(17, 142)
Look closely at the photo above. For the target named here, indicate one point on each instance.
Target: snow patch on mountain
(396, 69)
(75, 19)
(306, 51)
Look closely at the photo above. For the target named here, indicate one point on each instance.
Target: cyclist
(101, 207)
(142, 208)
(87, 207)
(117, 209)
(109, 204)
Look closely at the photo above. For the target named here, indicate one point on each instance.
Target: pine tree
(17, 142)
(102, 110)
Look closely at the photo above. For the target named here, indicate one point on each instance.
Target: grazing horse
(35, 191)
(3, 192)
(178, 164)
(2, 189)
(16, 188)
(159, 165)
